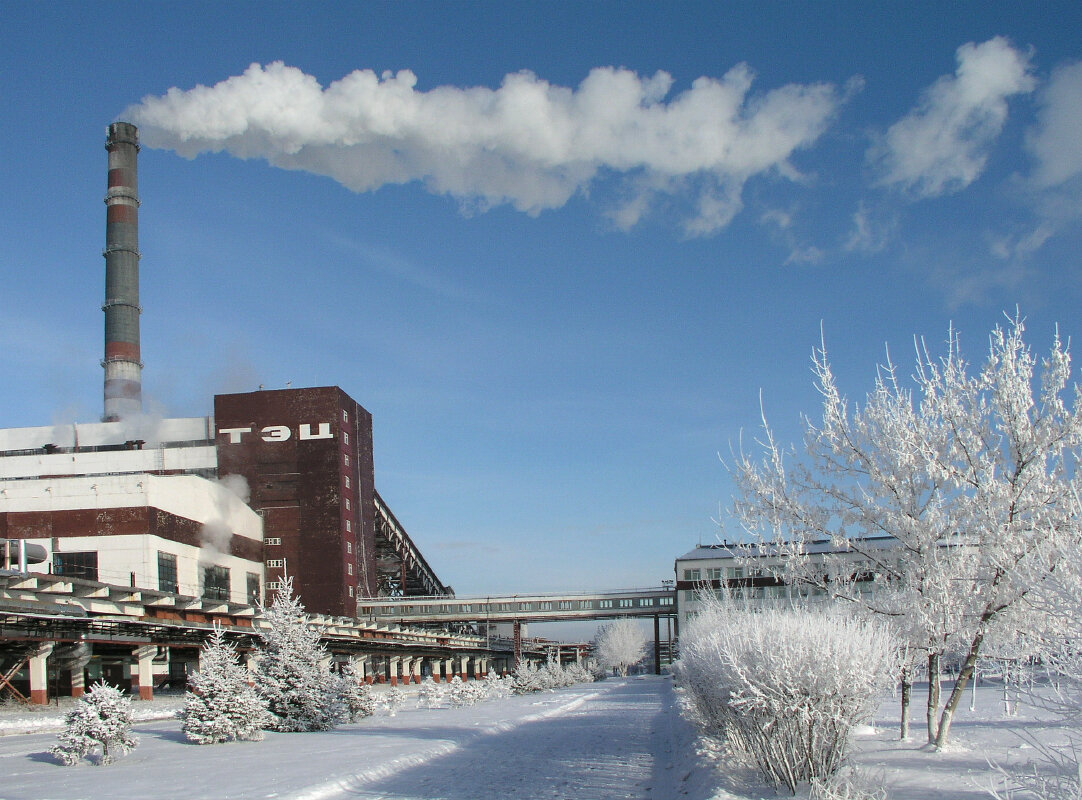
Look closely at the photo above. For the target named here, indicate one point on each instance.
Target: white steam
(215, 534)
(528, 143)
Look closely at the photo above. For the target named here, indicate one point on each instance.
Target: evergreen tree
(394, 700)
(294, 677)
(431, 694)
(220, 704)
(102, 718)
(356, 695)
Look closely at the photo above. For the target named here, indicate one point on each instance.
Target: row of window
(214, 579)
(540, 605)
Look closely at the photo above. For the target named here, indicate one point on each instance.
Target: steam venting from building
(123, 368)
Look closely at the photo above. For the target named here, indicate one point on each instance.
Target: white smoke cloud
(528, 143)
(942, 145)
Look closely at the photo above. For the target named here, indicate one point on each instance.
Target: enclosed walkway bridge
(652, 602)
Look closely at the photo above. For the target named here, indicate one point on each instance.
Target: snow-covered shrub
(848, 783)
(496, 687)
(355, 693)
(466, 693)
(293, 676)
(394, 700)
(785, 687)
(102, 718)
(220, 705)
(525, 679)
(577, 673)
(431, 694)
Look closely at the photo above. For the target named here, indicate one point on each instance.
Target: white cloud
(868, 234)
(1055, 141)
(528, 143)
(942, 145)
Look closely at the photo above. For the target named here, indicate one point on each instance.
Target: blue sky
(571, 266)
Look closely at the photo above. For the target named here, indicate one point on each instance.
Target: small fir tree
(102, 718)
(394, 699)
(431, 694)
(220, 705)
(356, 694)
(294, 677)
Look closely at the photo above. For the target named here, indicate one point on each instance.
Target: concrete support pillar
(39, 675)
(449, 669)
(657, 644)
(142, 677)
(393, 661)
(465, 662)
(407, 669)
(437, 668)
(417, 662)
(362, 669)
(78, 681)
(517, 636)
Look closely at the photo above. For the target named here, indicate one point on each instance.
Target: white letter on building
(275, 433)
(324, 431)
(234, 433)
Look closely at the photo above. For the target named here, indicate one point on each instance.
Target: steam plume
(528, 143)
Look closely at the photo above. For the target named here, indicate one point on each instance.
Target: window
(349, 547)
(345, 415)
(273, 540)
(351, 591)
(347, 481)
(76, 565)
(167, 573)
(626, 602)
(345, 437)
(216, 582)
(605, 604)
(646, 601)
(348, 506)
(345, 459)
(565, 605)
(349, 526)
(274, 585)
(349, 568)
(692, 575)
(713, 574)
(276, 563)
(665, 601)
(253, 588)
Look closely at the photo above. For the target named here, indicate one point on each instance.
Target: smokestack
(123, 369)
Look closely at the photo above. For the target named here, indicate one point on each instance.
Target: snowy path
(602, 741)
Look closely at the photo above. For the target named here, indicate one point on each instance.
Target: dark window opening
(216, 583)
(76, 565)
(167, 573)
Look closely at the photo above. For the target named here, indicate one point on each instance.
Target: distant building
(750, 570)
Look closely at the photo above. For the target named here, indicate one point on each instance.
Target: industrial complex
(124, 541)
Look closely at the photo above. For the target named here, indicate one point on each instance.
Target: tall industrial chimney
(123, 369)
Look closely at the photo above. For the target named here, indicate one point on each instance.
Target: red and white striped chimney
(123, 369)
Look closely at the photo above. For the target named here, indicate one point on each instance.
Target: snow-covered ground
(601, 741)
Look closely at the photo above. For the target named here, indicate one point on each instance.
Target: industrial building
(204, 516)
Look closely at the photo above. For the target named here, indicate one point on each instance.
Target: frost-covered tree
(619, 645)
(394, 699)
(293, 674)
(355, 693)
(220, 705)
(785, 687)
(102, 718)
(465, 693)
(525, 678)
(972, 475)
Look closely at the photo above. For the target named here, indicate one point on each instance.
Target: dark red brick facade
(307, 456)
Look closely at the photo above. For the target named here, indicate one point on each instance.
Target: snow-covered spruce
(394, 699)
(293, 674)
(431, 694)
(356, 695)
(220, 705)
(466, 693)
(785, 687)
(102, 718)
